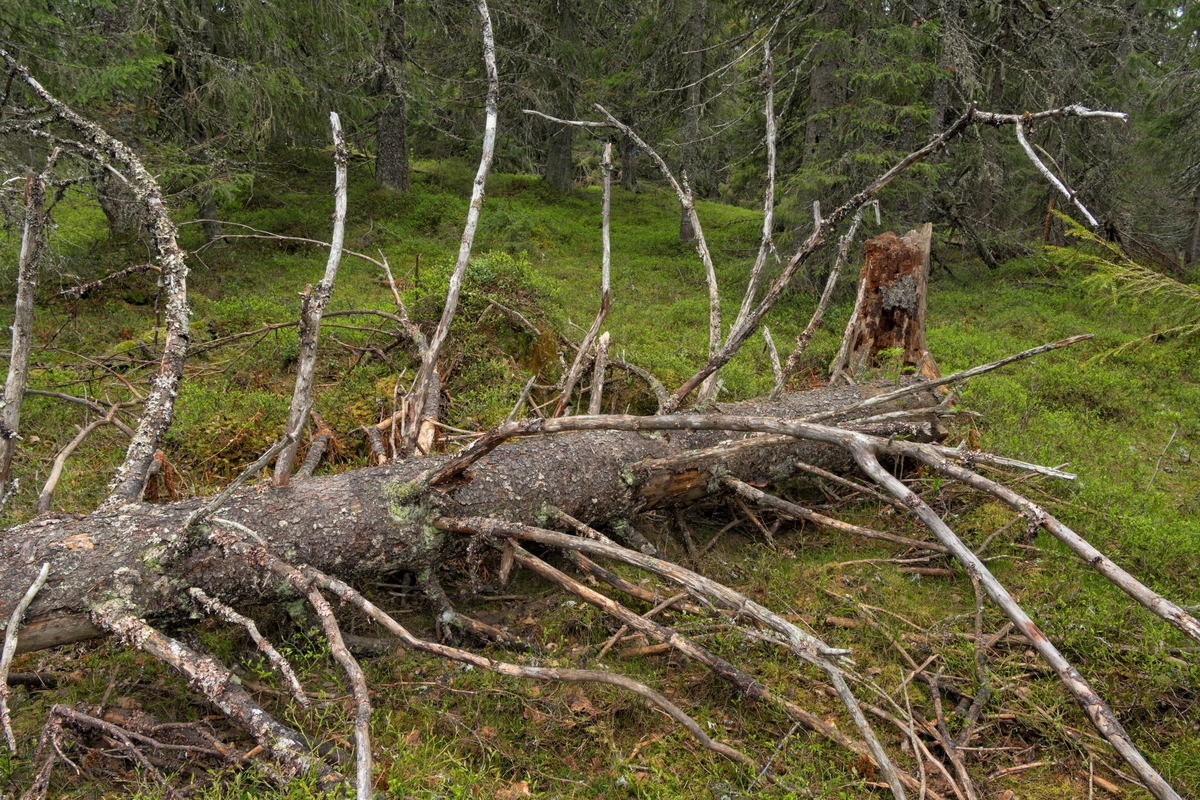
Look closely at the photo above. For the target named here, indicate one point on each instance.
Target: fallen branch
(803, 644)
(281, 665)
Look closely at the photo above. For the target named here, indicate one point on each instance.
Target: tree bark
(391, 130)
(628, 162)
(823, 88)
(1192, 249)
(890, 312)
(118, 204)
(211, 224)
(361, 525)
(560, 172)
(22, 327)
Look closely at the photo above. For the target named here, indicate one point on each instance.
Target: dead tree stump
(890, 311)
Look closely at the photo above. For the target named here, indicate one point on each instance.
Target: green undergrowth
(442, 731)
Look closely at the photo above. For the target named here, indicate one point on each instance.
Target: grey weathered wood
(359, 525)
(311, 309)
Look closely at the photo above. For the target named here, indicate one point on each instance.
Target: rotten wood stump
(890, 311)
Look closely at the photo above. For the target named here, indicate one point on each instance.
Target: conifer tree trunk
(822, 85)
(391, 130)
(560, 172)
(1192, 249)
(628, 162)
(209, 213)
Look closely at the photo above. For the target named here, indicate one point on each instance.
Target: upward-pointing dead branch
(818, 316)
(585, 346)
(428, 372)
(311, 308)
(22, 327)
(160, 402)
(824, 226)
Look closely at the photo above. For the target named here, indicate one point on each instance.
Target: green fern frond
(1115, 273)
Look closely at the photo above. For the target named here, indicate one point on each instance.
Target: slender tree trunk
(391, 130)
(628, 162)
(211, 216)
(118, 204)
(823, 89)
(695, 74)
(560, 172)
(22, 327)
(1192, 249)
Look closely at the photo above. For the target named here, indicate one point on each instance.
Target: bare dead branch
(1167, 610)
(85, 289)
(601, 363)
(425, 377)
(720, 667)
(32, 240)
(963, 375)
(585, 346)
(819, 314)
(60, 460)
(1097, 711)
(799, 642)
(358, 687)
(776, 369)
(160, 403)
(660, 392)
(207, 676)
(766, 244)
(281, 665)
(214, 505)
(799, 512)
(738, 335)
(311, 309)
(1019, 130)
(316, 447)
(10, 649)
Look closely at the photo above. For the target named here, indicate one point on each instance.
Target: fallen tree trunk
(359, 525)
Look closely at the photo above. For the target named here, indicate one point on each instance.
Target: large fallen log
(359, 525)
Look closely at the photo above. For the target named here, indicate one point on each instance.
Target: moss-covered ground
(442, 731)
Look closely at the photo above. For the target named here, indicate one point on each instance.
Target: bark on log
(890, 312)
(360, 525)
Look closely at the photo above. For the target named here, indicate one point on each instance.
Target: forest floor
(442, 731)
